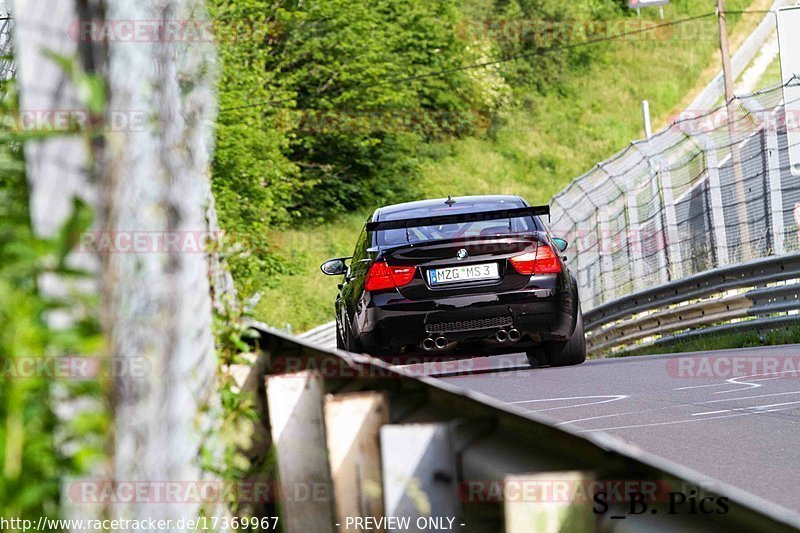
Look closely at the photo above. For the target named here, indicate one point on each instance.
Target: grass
(710, 342)
(535, 151)
(559, 136)
(305, 299)
(772, 75)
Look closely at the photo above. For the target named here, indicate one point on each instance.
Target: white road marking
(726, 382)
(613, 414)
(680, 421)
(754, 408)
(610, 398)
(713, 412)
(750, 384)
(677, 406)
(776, 404)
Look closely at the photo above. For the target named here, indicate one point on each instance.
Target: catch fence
(714, 189)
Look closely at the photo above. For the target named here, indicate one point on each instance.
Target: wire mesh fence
(7, 66)
(714, 188)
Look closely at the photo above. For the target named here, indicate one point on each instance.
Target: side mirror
(334, 267)
(561, 244)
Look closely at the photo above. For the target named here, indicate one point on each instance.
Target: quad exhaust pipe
(512, 335)
(429, 343)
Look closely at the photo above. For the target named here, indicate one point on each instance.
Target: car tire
(339, 340)
(572, 352)
(350, 342)
(536, 357)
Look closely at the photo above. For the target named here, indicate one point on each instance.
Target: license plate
(441, 276)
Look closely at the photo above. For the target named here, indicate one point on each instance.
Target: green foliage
(537, 141)
(225, 443)
(273, 167)
(326, 105)
(540, 33)
(32, 462)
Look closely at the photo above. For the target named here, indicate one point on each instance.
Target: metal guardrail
(709, 300)
(323, 335)
(430, 451)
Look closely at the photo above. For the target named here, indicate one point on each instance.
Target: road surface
(733, 415)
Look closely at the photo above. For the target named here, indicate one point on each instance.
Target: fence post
(419, 472)
(353, 421)
(634, 236)
(537, 509)
(298, 433)
(603, 248)
(773, 165)
(717, 211)
(634, 268)
(655, 180)
(671, 238)
(574, 238)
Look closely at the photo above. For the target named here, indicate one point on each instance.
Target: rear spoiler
(459, 218)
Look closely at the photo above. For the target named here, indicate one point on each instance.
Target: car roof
(461, 204)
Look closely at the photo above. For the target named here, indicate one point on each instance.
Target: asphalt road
(732, 415)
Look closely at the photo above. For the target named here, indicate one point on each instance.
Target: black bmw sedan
(466, 276)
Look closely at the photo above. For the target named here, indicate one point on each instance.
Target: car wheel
(339, 340)
(572, 352)
(536, 357)
(351, 344)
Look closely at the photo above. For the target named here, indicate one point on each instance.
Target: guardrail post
(544, 502)
(672, 242)
(353, 421)
(419, 474)
(298, 433)
(717, 211)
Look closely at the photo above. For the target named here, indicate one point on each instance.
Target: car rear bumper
(390, 325)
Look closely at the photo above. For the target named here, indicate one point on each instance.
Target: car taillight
(383, 277)
(543, 261)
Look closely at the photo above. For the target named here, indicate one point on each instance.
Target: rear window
(466, 230)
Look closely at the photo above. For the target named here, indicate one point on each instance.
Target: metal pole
(727, 72)
(648, 132)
